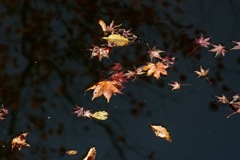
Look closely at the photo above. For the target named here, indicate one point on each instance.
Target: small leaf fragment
(71, 152)
(161, 132)
(91, 154)
(100, 115)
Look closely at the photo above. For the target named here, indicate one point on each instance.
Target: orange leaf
(71, 152)
(91, 154)
(155, 69)
(161, 131)
(19, 141)
(107, 88)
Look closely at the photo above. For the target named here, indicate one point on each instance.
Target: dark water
(45, 70)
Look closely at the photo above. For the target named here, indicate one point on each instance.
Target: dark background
(45, 69)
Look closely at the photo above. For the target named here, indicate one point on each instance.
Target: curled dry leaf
(19, 141)
(219, 49)
(103, 26)
(100, 115)
(71, 152)
(202, 72)
(155, 69)
(116, 40)
(107, 88)
(91, 154)
(161, 131)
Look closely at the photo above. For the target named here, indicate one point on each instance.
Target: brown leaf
(19, 141)
(107, 88)
(161, 131)
(91, 154)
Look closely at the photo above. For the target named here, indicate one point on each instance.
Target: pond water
(46, 67)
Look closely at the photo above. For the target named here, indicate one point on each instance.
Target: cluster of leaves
(218, 49)
(233, 102)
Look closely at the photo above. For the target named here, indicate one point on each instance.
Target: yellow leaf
(116, 40)
(100, 115)
(161, 131)
(91, 154)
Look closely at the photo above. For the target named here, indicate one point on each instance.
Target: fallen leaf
(71, 152)
(116, 40)
(154, 53)
(202, 72)
(155, 69)
(223, 99)
(19, 141)
(80, 112)
(103, 26)
(203, 42)
(237, 46)
(175, 85)
(91, 154)
(219, 49)
(3, 112)
(107, 88)
(161, 131)
(100, 115)
(100, 52)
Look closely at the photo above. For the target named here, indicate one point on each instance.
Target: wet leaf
(155, 69)
(100, 115)
(19, 141)
(175, 85)
(91, 154)
(202, 72)
(237, 46)
(71, 152)
(219, 49)
(161, 131)
(107, 88)
(116, 40)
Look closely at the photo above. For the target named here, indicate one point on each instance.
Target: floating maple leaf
(118, 77)
(235, 105)
(202, 72)
(161, 131)
(107, 88)
(201, 42)
(175, 85)
(237, 46)
(169, 61)
(133, 74)
(91, 154)
(219, 49)
(19, 141)
(155, 69)
(154, 53)
(116, 40)
(100, 51)
(80, 112)
(3, 112)
(223, 99)
(116, 67)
